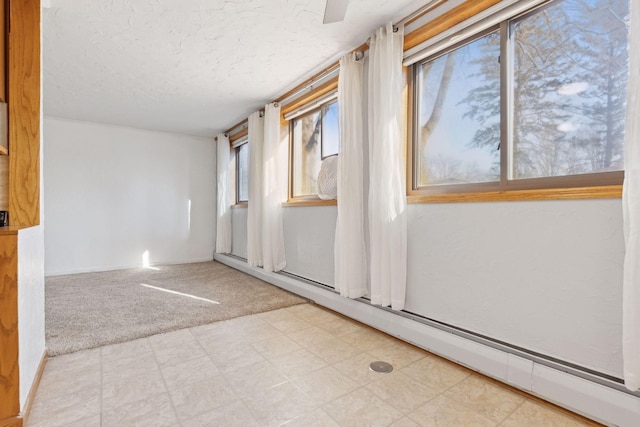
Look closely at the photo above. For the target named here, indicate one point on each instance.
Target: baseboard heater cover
(596, 401)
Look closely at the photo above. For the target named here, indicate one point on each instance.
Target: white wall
(309, 250)
(543, 275)
(114, 193)
(310, 234)
(30, 306)
(239, 232)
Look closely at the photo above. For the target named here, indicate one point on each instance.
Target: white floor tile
(299, 366)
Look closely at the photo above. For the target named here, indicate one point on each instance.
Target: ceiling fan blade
(334, 11)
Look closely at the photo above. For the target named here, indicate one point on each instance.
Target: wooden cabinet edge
(12, 422)
(9, 343)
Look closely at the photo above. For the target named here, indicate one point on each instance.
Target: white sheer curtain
(274, 191)
(350, 255)
(223, 227)
(631, 212)
(254, 214)
(387, 196)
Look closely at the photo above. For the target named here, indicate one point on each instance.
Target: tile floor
(298, 366)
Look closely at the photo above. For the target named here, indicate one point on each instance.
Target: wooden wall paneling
(12, 422)
(24, 113)
(3, 77)
(3, 51)
(4, 183)
(9, 370)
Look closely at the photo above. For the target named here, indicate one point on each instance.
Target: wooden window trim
(236, 136)
(316, 93)
(445, 21)
(309, 201)
(550, 188)
(596, 192)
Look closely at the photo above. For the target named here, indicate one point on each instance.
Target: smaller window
(315, 136)
(242, 173)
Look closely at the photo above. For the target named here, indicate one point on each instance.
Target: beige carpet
(94, 309)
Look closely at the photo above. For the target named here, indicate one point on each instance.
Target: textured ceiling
(191, 66)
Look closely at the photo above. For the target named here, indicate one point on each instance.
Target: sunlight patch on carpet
(178, 293)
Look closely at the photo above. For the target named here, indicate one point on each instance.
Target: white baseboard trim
(96, 269)
(596, 401)
(28, 404)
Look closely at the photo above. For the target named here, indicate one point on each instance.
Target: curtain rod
(284, 99)
(418, 13)
(310, 85)
(318, 78)
(225, 134)
(242, 124)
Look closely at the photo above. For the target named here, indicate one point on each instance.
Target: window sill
(310, 201)
(599, 192)
(241, 205)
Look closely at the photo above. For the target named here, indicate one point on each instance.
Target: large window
(538, 101)
(315, 135)
(242, 173)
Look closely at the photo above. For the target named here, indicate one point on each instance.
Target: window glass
(570, 81)
(315, 136)
(307, 136)
(558, 73)
(242, 155)
(330, 130)
(459, 121)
